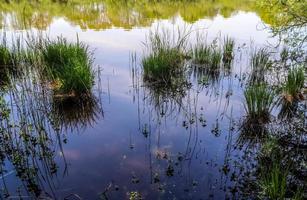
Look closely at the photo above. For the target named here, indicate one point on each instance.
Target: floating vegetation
(70, 65)
(259, 102)
(165, 59)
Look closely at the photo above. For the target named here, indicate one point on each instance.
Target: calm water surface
(163, 146)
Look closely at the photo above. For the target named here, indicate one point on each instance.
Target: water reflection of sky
(102, 153)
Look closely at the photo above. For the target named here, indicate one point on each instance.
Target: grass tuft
(70, 65)
(166, 57)
(260, 63)
(259, 102)
(294, 84)
(201, 54)
(5, 56)
(216, 57)
(228, 48)
(274, 182)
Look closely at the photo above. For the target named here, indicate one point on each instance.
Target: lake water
(133, 138)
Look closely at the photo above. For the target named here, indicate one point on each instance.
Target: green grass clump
(70, 65)
(162, 65)
(294, 84)
(274, 182)
(260, 63)
(5, 56)
(284, 54)
(166, 57)
(201, 54)
(208, 55)
(216, 57)
(228, 48)
(261, 59)
(259, 102)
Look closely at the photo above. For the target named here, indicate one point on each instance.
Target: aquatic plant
(201, 54)
(5, 56)
(273, 183)
(12, 58)
(258, 102)
(26, 138)
(284, 54)
(294, 84)
(261, 59)
(228, 48)
(5, 59)
(260, 63)
(70, 65)
(208, 55)
(166, 55)
(216, 57)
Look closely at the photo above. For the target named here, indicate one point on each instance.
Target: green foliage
(216, 57)
(261, 59)
(228, 48)
(201, 54)
(260, 63)
(5, 56)
(165, 59)
(284, 54)
(273, 182)
(70, 64)
(294, 84)
(208, 55)
(259, 102)
(288, 19)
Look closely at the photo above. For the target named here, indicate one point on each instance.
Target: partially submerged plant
(5, 56)
(70, 65)
(165, 57)
(259, 102)
(292, 89)
(273, 182)
(216, 57)
(228, 48)
(201, 54)
(260, 63)
(284, 54)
